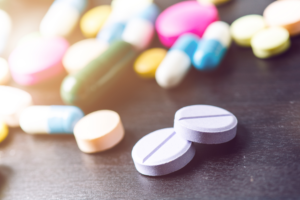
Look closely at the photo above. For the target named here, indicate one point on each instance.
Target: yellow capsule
(3, 131)
(147, 63)
(94, 19)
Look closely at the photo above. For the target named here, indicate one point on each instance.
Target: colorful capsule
(62, 16)
(212, 47)
(177, 62)
(50, 119)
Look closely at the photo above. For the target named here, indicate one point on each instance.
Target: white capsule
(62, 17)
(50, 119)
(140, 30)
(177, 62)
(5, 24)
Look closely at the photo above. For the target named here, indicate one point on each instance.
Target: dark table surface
(262, 162)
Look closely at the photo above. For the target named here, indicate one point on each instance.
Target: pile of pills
(116, 35)
(167, 150)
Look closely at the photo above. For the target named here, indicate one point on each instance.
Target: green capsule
(92, 81)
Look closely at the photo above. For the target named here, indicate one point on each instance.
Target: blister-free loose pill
(139, 31)
(81, 53)
(12, 102)
(50, 119)
(162, 152)
(244, 28)
(111, 32)
(93, 20)
(5, 24)
(213, 46)
(3, 131)
(99, 131)
(285, 14)
(215, 2)
(62, 17)
(4, 72)
(205, 124)
(38, 60)
(147, 63)
(177, 62)
(270, 42)
(184, 17)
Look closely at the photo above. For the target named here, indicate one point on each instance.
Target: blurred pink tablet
(184, 17)
(38, 60)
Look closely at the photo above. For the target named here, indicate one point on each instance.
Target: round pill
(147, 63)
(162, 152)
(4, 72)
(37, 60)
(93, 20)
(184, 17)
(81, 53)
(3, 131)
(243, 29)
(270, 42)
(12, 102)
(205, 124)
(99, 131)
(285, 14)
(5, 22)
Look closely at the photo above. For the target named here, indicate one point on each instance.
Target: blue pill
(186, 43)
(111, 32)
(150, 13)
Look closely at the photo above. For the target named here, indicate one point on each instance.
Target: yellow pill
(243, 29)
(147, 63)
(93, 20)
(3, 131)
(270, 42)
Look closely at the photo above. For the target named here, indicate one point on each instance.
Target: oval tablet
(5, 24)
(99, 131)
(4, 72)
(3, 131)
(38, 60)
(81, 53)
(93, 20)
(147, 63)
(12, 102)
(243, 29)
(50, 119)
(205, 124)
(184, 17)
(285, 14)
(162, 152)
(270, 42)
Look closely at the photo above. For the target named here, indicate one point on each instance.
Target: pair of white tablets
(167, 150)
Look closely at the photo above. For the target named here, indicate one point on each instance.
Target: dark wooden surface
(262, 162)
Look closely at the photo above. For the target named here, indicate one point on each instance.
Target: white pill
(12, 102)
(205, 124)
(62, 17)
(162, 152)
(5, 24)
(81, 53)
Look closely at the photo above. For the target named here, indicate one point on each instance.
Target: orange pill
(284, 13)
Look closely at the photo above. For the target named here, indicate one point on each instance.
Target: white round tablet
(12, 102)
(205, 124)
(99, 131)
(81, 53)
(162, 152)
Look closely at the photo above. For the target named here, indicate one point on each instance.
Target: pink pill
(184, 17)
(38, 60)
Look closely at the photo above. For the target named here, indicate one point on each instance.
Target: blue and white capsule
(177, 62)
(62, 17)
(213, 46)
(139, 31)
(50, 119)
(111, 32)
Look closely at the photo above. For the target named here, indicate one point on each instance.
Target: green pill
(92, 81)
